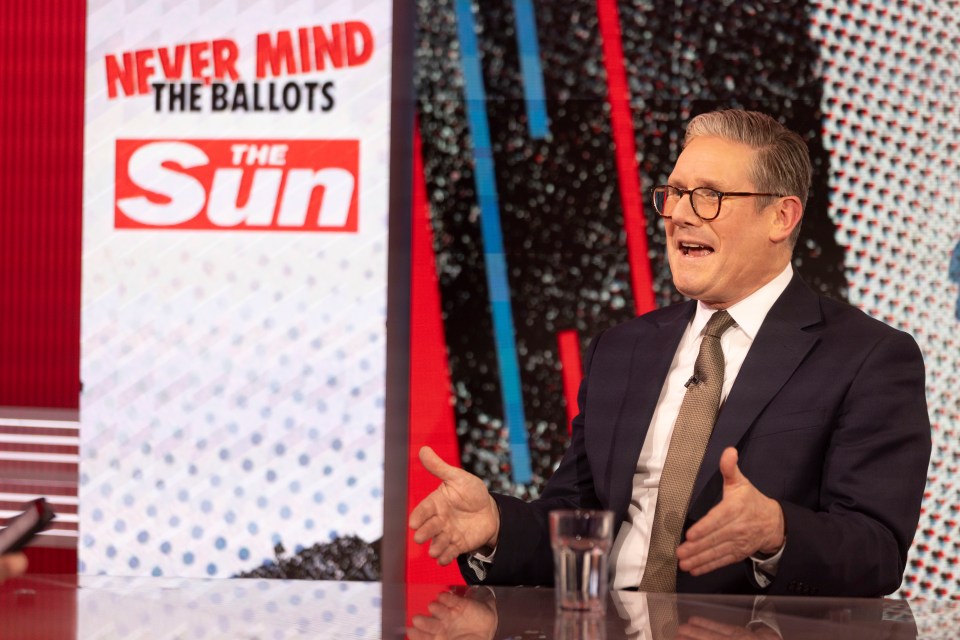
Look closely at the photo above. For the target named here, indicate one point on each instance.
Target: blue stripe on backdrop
(530, 68)
(496, 265)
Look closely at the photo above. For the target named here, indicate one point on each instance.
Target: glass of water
(581, 542)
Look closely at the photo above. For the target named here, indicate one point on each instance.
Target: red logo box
(240, 185)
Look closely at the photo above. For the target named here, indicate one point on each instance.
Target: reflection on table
(484, 613)
(39, 607)
(100, 607)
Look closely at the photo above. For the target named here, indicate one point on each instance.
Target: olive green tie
(691, 432)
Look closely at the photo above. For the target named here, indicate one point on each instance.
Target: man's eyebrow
(711, 184)
(708, 183)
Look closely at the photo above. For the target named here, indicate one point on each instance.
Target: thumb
(729, 469)
(436, 466)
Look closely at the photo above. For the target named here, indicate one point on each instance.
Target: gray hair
(782, 162)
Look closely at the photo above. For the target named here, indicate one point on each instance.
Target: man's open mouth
(695, 250)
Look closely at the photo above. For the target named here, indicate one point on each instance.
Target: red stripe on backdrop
(431, 410)
(568, 344)
(634, 220)
(42, 60)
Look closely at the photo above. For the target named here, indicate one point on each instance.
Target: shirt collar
(750, 312)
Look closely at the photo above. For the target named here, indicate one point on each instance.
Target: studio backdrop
(543, 126)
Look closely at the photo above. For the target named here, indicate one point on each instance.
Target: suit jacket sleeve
(523, 554)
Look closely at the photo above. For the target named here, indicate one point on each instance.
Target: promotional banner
(234, 288)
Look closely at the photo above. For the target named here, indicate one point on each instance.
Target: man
(803, 471)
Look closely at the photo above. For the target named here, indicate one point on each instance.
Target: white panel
(233, 380)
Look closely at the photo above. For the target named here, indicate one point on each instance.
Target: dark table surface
(41, 607)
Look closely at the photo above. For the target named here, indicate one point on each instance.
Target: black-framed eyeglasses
(704, 200)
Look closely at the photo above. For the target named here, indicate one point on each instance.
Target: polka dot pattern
(892, 128)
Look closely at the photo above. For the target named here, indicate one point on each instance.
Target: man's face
(722, 261)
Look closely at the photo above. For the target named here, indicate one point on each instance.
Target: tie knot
(718, 323)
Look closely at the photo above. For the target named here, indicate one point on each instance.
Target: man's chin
(688, 285)
(687, 292)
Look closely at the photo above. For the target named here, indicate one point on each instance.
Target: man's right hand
(460, 516)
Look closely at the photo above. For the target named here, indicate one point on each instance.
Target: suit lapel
(779, 348)
(649, 364)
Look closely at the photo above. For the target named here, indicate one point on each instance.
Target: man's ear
(788, 213)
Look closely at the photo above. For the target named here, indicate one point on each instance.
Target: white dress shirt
(629, 555)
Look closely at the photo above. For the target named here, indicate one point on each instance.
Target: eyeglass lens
(706, 202)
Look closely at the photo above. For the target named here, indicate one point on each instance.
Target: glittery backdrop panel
(872, 89)
(891, 127)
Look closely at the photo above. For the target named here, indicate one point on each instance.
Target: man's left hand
(744, 523)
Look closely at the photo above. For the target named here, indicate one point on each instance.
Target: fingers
(715, 520)
(413, 633)
(699, 628)
(422, 512)
(689, 631)
(12, 565)
(714, 625)
(426, 625)
(694, 552)
(712, 542)
(450, 600)
(445, 544)
(710, 559)
(443, 550)
(427, 530)
(436, 625)
(730, 532)
(438, 545)
(436, 466)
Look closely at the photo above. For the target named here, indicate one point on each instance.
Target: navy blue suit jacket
(828, 414)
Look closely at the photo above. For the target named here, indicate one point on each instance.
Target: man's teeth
(687, 247)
